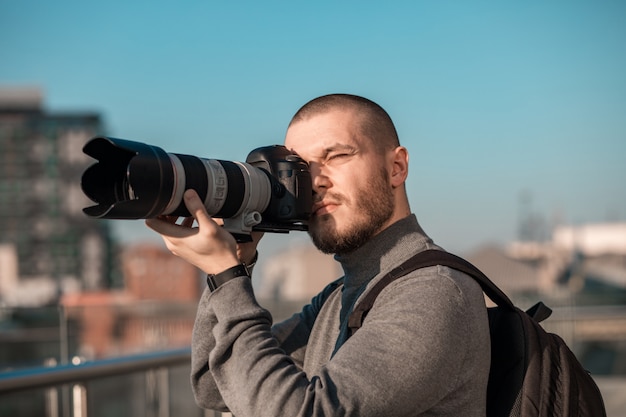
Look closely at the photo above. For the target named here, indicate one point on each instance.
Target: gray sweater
(423, 349)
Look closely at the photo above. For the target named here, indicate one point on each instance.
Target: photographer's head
(358, 169)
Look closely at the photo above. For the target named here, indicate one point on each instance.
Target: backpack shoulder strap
(430, 257)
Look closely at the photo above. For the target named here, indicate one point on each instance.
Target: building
(587, 262)
(155, 310)
(297, 274)
(48, 246)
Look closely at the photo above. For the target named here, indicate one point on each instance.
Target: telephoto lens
(133, 180)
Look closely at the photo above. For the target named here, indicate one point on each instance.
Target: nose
(319, 178)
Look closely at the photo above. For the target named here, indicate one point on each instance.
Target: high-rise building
(52, 244)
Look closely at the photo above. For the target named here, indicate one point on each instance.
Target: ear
(399, 160)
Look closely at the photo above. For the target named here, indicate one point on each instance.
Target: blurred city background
(513, 116)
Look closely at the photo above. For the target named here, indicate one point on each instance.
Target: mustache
(328, 197)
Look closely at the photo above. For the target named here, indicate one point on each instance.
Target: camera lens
(133, 180)
(271, 191)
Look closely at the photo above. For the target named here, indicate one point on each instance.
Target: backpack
(533, 372)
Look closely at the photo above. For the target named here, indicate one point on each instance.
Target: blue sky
(492, 98)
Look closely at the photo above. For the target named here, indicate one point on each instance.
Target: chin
(323, 224)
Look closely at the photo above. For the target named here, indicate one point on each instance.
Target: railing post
(164, 392)
(64, 358)
(51, 394)
(79, 401)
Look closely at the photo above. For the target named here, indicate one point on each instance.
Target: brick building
(155, 310)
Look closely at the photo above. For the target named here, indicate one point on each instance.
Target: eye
(337, 156)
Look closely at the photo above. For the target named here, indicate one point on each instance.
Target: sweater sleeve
(292, 336)
(202, 342)
(414, 349)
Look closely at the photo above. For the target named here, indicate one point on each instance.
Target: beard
(374, 206)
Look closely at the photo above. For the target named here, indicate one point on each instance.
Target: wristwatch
(215, 280)
(241, 270)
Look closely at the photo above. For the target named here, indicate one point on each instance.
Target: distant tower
(531, 226)
(524, 232)
(41, 163)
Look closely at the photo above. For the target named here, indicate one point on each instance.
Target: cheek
(349, 182)
(353, 179)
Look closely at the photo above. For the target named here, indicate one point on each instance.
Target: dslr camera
(270, 192)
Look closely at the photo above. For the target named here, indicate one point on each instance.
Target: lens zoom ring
(195, 179)
(236, 190)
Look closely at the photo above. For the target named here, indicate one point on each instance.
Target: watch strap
(215, 280)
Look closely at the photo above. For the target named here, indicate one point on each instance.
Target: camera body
(270, 192)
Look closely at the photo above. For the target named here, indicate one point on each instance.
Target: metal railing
(152, 381)
(42, 377)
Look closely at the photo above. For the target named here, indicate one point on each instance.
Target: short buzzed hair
(375, 121)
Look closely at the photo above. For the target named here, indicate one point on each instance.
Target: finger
(162, 226)
(165, 227)
(256, 237)
(187, 222)
(169, 219)
(197, 209)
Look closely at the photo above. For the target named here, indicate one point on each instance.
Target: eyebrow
(336, 148)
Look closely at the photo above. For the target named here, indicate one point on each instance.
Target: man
(423, 349)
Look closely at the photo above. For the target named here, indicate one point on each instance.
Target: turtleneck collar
(384, 251)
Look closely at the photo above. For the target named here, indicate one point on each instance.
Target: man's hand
(208, 246)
